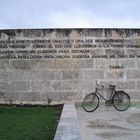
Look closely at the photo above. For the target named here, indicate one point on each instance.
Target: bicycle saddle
(112, 86)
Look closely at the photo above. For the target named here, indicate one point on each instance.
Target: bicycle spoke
(121, 101)
(91, 102)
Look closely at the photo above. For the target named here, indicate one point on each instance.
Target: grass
(28, 123)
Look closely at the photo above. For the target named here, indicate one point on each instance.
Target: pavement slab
(106, 123)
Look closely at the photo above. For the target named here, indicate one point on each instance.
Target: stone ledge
(68, 127)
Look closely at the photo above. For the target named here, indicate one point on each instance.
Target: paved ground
(106, 123)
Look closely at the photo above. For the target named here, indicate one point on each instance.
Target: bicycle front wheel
(121, 101)
(90, 102)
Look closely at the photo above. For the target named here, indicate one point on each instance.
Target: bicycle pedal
(108, 103)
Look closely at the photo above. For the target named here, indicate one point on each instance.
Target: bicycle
(119, 99)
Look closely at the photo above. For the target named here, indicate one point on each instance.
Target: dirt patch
(102, 124)
(108, 135)
(133, 118)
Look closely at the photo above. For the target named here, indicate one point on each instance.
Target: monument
(62, 64)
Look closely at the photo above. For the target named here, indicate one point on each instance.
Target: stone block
(41, 86)
(20, 75)
(30, 97)
(84, 85)
(58, 96)
(114, 52)
(42, 64)
(4, 75)
(63, 64)
(48, 75)
(4, 64)
(133, 74)
(83, 64)
(33, 33)
(138, 85)
(62, 85)
(95, 52)
(9, 97)
(128, 63)
(128, 85)
(4, 86)
(138, 63)
(71, 75)
(20, 86)
(115, 74)
(102, 63)
(93, 74)
(2, 96)
(45, 96)
(106, 63)
(89, 32)
(21, 64)
(67, 75)
(134, 95)
(134, 52)
(38, 75)
(58, 75)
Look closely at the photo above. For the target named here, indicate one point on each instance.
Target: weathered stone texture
(138, 63)
(42, 64)
(61, 96)
(20, 86)
(4, 65)
(37, 79)
(30, 97)
(115, 74)
(138, 85)
(84, 85)
(20, 75)
(133, 74)
(9, 96)
(71, 75)
(41, 86)
(63, 64)
(4, 75)
(134, 95)
(21, 64)
(135, 52)
(83, 64)
(106, 63)
(4, 86)
(97, 52)
(93, 74)
(63, 85)
(114, 51)
(129, 85)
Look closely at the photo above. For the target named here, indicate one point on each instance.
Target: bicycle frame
(96, 92)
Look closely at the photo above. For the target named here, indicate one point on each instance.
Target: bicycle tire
(121, 101)
(90, 102)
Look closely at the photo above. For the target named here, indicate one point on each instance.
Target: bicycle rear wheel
(121, 101)
(90, 102)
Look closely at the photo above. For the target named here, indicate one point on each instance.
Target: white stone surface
(68, 127)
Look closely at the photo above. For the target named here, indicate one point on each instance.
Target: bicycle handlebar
(97, 85)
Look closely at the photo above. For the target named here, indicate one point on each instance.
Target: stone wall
(62, 64)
